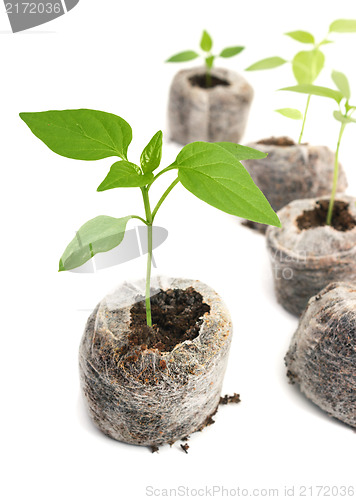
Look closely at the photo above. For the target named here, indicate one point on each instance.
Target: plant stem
(208, 77)
(305, 116)
(335, 178)
(163, 197)
(149, 218)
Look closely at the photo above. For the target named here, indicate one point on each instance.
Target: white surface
(109, 55)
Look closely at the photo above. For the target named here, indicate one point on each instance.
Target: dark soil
(277, 141)
(177, 315)
(201, 81)
(185, 447)
(225, 400)
(342, 220)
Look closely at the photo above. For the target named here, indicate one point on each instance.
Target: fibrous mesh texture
(215, 114)
(322, 353)
(153, 398)
(305, 261)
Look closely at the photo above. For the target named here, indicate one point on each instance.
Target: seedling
(343, 115)
(206, 45)
(306, 64)
(210, 171)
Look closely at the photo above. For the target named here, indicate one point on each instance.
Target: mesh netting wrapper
(322, 353)
(147, 397)
(305, 261)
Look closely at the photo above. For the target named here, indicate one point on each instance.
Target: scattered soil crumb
(185, 447)
(200, 81)
(225, 400)
(341, 220)
(277, 141)
(154, 449)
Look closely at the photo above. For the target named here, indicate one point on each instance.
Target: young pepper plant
(206, 45)
(210, 171)
(343, 115)
(306, 64)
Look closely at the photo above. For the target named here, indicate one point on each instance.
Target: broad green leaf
(124, 174)
(292, 113)
(326, 42)
(343, 119)
(152, 154)
(213, 175)
(316, 90)
(187, 55)
(97, 235)
(301, 36)
(342, 83)
(209, 61)
(81, 134)
(343, 26)
(206, 42)
(231, 51)
(307, 65)
(268, 63)
(242, 152)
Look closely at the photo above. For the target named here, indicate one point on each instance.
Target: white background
(109, 55)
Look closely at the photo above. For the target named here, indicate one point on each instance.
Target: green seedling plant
(206, 46)
(343, 115)
(210, 171)
(306, 64)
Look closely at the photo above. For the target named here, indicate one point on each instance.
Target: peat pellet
(306, 256)
(292, 172)
(218, 113)
(151, 393)
(322, 355)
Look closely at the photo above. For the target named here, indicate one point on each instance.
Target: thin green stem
(139, 218)
(163, 197)
(149, 218)
(335, 178)
(305, 117)
(167, 169)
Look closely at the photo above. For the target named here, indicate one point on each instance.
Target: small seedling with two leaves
(306, 64)
(210, 171)
(343, 115)
(206, 45)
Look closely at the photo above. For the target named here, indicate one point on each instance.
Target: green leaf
(231, 51)
(242, 152)
(342, 83)
(187, 55)
(316, 90)
(124, 174)
(292, 113)
(212, 174)
(343, 119)
(326, 42)
(152, 154)
(301, 36)
(97, 235)
(343, 26)
(81, 134)
(206, 42)
(307, 65)
(268, 63)
(209, 61)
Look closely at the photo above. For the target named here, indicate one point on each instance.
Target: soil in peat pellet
(201, 81)
(277, 141)
(177, 315)
(342, 220)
